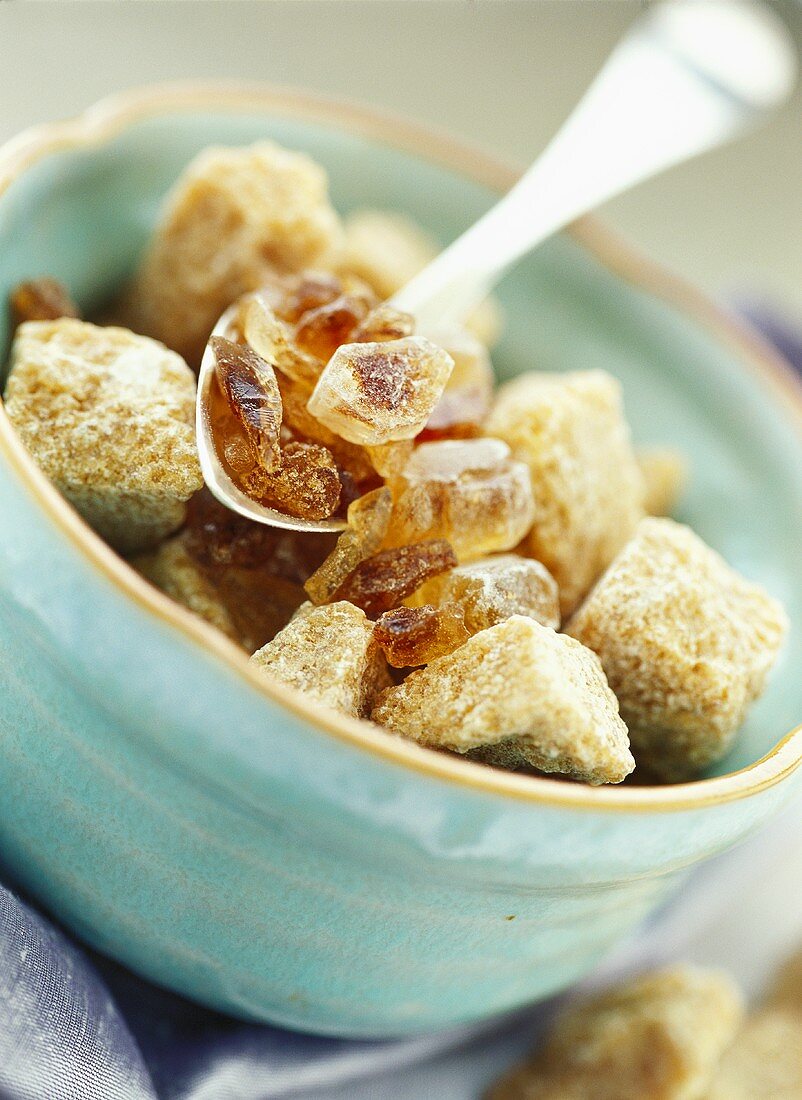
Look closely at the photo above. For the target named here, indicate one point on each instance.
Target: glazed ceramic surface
(224, 837)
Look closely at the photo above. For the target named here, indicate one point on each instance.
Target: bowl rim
(109, 117)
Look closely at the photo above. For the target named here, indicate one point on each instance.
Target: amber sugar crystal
(471, 492)
(250, 605)
(258, 602)
(296, 324)
(383, 581)
(457, 415)
(250, 387)
(382, 391)
(42, 299)
(302, 426)
(233, 445)
(271, 337)
(465, 403)
(368, 518)
(321, 331)
(216, 536)
(356, 469)
(491, 590)
(412, 636)
(320, 312)
(290, 296)
(179, 574)
(383, 323)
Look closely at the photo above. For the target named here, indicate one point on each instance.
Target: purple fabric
(61, 1033)
(77, 1027)
(773, 325)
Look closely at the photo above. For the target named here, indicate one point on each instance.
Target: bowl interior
(83, 215)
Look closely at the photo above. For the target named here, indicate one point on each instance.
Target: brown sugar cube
(665, 473)
(234, 216)
(110, 418)
(764, 1062)
(259, 603)
(174, 570)
(470, 492)
(381, 392)
(786, 990)
(482, 696)
(570, 431)
(368, 518)
(686, 643)
(330, 654)
(491, 590)
(658, 1037)
(387, 249)
(249, 604)
(303, 609)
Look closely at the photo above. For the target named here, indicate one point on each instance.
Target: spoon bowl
(214, 474)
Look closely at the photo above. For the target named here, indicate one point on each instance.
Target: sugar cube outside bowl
(225, 837)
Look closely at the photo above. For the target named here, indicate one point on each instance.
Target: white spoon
(688, 76)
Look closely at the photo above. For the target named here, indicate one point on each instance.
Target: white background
(501, 74)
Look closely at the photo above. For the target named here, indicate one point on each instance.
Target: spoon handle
(687, 77)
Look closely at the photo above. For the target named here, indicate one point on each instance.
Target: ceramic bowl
(224, 836)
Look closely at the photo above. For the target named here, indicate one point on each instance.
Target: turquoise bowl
(225, 837)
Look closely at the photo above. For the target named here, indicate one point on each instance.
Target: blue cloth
(61, 1034)
(74, 1026)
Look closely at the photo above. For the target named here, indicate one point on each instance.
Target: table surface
(501, 75)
